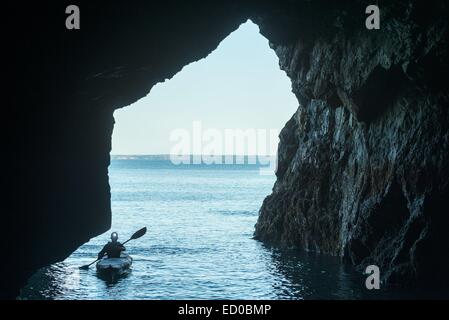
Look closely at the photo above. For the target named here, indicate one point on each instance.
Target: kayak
(112, 268)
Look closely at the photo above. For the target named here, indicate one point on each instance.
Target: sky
(238, 86)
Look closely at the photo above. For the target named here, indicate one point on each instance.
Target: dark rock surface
(363, 163)
(63, 88)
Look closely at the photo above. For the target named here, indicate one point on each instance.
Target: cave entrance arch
(238, 87)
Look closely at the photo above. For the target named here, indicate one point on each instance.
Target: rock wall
(363, 163)
(62, 89)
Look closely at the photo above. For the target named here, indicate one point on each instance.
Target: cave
(341, 160)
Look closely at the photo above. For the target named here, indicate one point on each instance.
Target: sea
(199, 244)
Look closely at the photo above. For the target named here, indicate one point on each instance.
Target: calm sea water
(199, 243)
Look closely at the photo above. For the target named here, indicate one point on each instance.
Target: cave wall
(63, 87)
(366, 148)
(362, 170)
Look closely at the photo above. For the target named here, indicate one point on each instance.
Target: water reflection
(51, 282)
(285, 275)
(303, 275)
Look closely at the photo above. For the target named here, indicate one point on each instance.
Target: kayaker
(112, 249)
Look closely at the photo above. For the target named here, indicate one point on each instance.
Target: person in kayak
(112, 249)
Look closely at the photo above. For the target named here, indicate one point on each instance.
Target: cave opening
(191, 161)
(68, 83)
(227, 111)
(224, 111)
